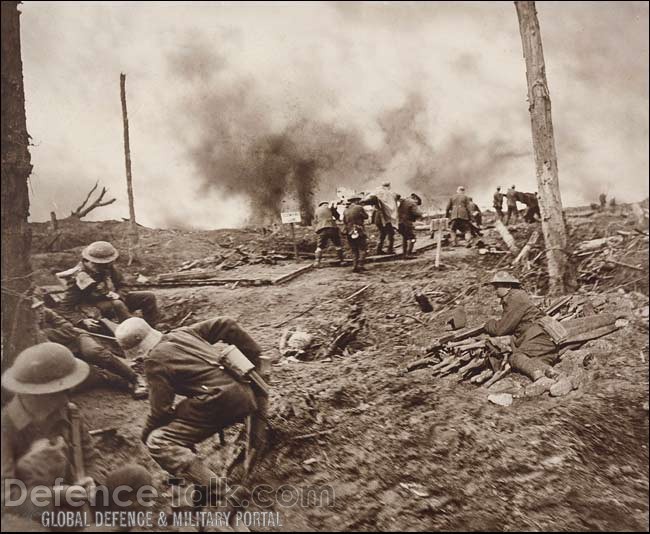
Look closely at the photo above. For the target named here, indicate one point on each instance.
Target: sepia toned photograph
(348, 266)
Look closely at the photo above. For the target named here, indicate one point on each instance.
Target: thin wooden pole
(133, 230)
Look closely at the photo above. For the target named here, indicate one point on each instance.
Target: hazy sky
(346, 65)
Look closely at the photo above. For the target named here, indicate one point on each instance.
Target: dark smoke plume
(236, 149)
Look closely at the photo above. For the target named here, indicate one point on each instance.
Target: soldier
(185, 362)
(458, 210)
(45, 442)
(354, 219)
(105, 367)
(532, 213)
(408, 212)
(386, 217)
(497, 203)
(534, 351)
(326, 216)
(511, 200)
(603, 201)
(475, 213)
(94, 281)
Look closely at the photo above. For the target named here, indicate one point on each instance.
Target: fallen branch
(84, 210)
(313, 434)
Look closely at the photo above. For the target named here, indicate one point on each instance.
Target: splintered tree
(85, 208)
(560, 270)
(18, 331)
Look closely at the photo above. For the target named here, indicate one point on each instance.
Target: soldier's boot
(355, 263)
(140, 390)
(468, 239)
(531, 367)
(411, 246)
(339, 254)
(391, 244)
(379, 250)
(380, 244)
(405, 248)
(362, 257)
(318, 256)
(218, 491)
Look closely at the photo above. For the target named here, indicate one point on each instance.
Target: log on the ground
(506, 236)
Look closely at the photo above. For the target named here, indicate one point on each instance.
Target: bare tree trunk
(18, 329)
(560, 269)
(133, 237)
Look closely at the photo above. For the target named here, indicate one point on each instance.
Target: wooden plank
(293, 274)
(526, 250)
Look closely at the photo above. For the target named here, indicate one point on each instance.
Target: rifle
(79, 471)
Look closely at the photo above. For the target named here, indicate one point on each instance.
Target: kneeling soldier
(96, 282)
(185, 362)
(43, 437)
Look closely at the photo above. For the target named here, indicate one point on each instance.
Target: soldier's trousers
(144, 301)
(386, 231)
(512, 211)
(172, 446)
(534, 356)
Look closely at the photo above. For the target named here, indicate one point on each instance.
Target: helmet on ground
(505, 278)
(136, 337)
(100, 252)
(45, 368)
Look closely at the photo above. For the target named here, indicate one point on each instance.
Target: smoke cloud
(234, 107)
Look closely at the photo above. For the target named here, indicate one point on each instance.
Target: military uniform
(327, 230)
(184, 362)
(533, 348)
(475, 212)
(458, 211)
(385, 204)
(407, 213)
(497, 203)
(85, 287)
(106, 368)
(511, 200)
(354, 219)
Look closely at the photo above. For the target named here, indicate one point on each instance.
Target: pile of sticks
(598, 258)
(483, 360)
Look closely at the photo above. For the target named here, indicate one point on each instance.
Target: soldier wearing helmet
(95, 282)
(187, 362)
(44, 438)
(533, 348)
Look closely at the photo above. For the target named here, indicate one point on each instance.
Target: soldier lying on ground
(96, 282)
(106, 369)
(41, 430)
(185, 362)
(534, 351)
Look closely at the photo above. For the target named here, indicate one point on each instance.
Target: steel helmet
(504, 277)
(100, 252)
(45, 368)
(136, 337)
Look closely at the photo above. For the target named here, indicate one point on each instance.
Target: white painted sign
(290, 217)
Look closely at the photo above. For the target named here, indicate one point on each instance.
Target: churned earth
(389, 450)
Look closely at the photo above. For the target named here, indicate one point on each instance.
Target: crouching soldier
(327, 230)
(45, 443)
(185, 362)
(106, 369)
(95, 281)
(534, 351)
